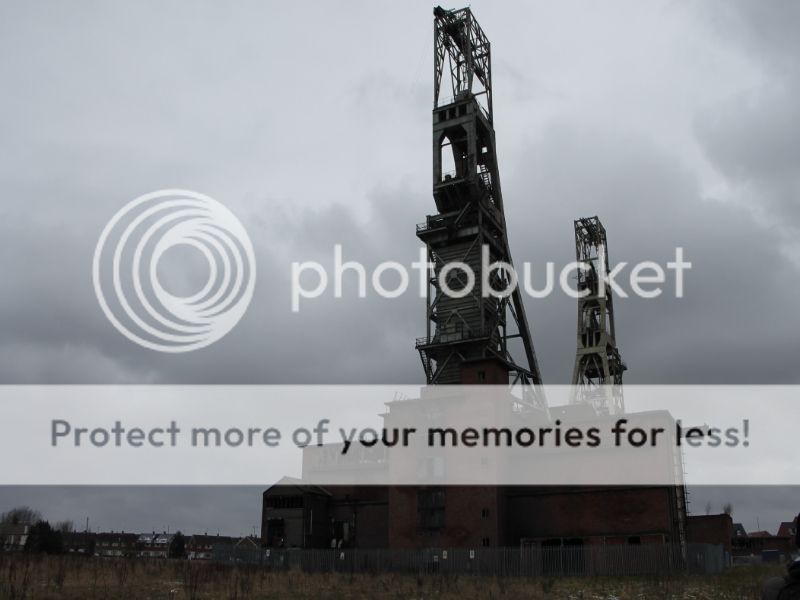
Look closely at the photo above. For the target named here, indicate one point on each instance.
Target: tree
(708, 507)
(43, 539)
(21, 515)
(177, 549)
(64, 526)
(728, 508)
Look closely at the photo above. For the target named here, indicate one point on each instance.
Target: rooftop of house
(788, 529)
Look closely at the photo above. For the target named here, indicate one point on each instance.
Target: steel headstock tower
(597, 378)
(470, 339)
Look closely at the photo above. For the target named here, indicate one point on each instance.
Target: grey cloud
(753, 137)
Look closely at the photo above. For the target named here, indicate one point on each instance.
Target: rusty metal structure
(597, 377)
(469, 327)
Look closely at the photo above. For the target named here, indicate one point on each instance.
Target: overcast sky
(677, 123)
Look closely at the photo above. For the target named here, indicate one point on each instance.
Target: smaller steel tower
(597, 378)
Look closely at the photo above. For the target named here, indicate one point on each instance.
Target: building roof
(7, 529)
(739, 530)
(119, 537)
(297, 484)
(156, 539)
(209, 540)
(759, 534)
(249, 540)
(787, 529)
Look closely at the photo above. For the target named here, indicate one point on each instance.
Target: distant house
(249, 541)
(119, 544)
(201, 547)
(78, 542)
(789, 529)
(155, 545)
(759, 534)
(13, 536)
(739, 531)
(764, 545)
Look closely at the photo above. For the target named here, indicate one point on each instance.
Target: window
(481, 375)
(484, 513)
(634, 540)
(284, 502)
(485, 542)
(430, 508)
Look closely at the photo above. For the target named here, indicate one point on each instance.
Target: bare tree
(64, 526)
(708, 507)
(21, 514)
(728, 508)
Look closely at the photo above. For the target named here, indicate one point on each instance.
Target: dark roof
(14, 529)
(110, 536)
(249, 539)
(787, 529)
(739, 530)
(285, 484)
(209, 540)
(76, 537)
(759, 534)
(156, 539)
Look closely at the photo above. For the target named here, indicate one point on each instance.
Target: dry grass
(65, 577)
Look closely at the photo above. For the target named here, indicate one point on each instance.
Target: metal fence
(512, 562)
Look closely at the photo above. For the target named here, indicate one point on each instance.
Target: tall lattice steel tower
(598, 366)
(469, 339)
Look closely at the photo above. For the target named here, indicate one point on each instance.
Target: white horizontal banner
(395, 435)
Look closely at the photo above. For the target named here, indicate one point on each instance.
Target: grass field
(43, 577)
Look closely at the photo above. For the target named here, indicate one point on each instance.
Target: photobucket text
(392, 279)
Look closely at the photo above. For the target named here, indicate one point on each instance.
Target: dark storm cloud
(753, 137)
(651, 202)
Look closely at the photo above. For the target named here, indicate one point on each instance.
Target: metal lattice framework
(597, 377)
(460, 44)
(470, 226)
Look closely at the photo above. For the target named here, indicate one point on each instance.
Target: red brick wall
(613, 513)
(710, 529)
(464, 523)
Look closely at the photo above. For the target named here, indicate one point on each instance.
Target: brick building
(117, 544)
(201, 547)
(295, 514)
